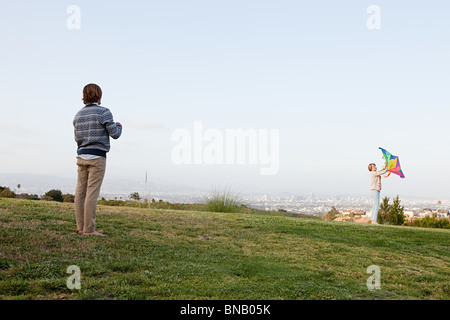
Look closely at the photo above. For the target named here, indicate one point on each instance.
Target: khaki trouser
(90, 178)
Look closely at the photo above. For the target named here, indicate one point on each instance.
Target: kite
(392, 164)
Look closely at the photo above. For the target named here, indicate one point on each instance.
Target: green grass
(168, 254)
(224, 201)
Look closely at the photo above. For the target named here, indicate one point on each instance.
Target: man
(93, 126)
(375, 187)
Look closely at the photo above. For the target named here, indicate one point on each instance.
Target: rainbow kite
(392, 164)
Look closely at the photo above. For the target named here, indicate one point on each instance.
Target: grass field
(168, 254)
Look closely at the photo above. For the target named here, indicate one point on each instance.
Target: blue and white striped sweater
(93, 125)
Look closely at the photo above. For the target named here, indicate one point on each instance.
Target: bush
(223, 202)
(54, 195)
(135, 196)
(391, 213)
(6, 193)
(68, 197)
(331, 215)
(27, 196)
(430, 222)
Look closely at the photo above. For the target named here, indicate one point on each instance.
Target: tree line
(51, 195)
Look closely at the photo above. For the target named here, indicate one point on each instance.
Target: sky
(313, 75)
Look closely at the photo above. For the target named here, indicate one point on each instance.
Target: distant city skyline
(39, 184)
(329, 82)
(306, 203)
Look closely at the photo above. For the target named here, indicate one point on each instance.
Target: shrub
(391, 213)
(27, 196)
(6, 193)
(225, 201)
(331, 215)
(55, 195)
(135, 196)
(68, 197)
(430, 222)
(46, 198)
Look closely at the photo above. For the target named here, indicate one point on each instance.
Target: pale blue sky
(312, 69)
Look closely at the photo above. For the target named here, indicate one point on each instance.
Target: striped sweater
(93, 125)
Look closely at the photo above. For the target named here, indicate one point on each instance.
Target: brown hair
(92, 93)
(370, 166)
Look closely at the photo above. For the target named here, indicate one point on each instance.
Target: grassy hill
(169, 254)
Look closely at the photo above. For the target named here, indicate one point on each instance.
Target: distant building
(408, 213)
(442, 213)
(347, 212)
(439, 213)
(425, 213)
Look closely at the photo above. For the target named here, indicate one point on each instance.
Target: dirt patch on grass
(356, 218)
